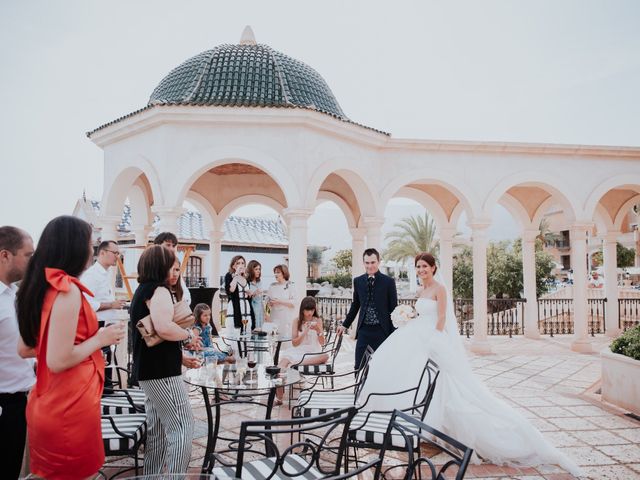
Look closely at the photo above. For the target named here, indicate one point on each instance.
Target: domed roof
(247, 74)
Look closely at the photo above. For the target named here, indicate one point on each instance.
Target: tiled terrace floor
(547, 382)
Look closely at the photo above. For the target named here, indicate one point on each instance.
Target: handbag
(182, 316)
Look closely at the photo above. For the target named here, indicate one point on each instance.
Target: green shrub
(628, 343)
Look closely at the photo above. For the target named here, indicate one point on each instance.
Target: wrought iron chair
(122, 435)
(315, 401)
(408, 428)
(317, 454)
(324, 370)
(369, 427)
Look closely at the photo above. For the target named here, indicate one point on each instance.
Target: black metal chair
(123, 435)
(314, 401)
(324, 370)
(369, 427)
(317, 454)
(408, 428)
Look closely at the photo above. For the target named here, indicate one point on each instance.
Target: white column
(296, 220)
(215, 253)
(611, 283)
(447, 234)
(581, 342)
(529, 280)
(357, 249)
(636, 239)
(411, 274)
(141, 234)
(168, 218)
(374, 232)
(108, 225)
(480, 344)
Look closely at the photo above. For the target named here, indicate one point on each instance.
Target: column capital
(479, 224)
(448, 233)
(358, 233)
(610, 237)
(372, 222)
(530, 234)
(164, 210)
(582, 226)
(291, 213)
(216, 235)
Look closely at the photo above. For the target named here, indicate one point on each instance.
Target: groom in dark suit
(375, 296)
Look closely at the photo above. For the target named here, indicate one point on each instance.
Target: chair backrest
(363, 371)
(321, 445)
(426, 387)
(410, 427)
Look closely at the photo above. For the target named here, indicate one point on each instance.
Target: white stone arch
(609, 184)
(209, 215)
(118, 188)
(602, 220)
(342, 205)
(358, 181)
(617, 224)
(453, 184)
(542, 180)
(140, 205)
(517, 211)
(236, 203)
(428, 202)
(204, 160)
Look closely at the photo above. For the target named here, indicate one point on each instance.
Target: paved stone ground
(553, 386)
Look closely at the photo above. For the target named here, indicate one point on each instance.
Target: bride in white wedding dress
(462, 406)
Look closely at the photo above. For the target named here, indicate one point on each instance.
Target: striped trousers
(169, 425)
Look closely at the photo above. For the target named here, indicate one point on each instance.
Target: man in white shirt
(97, 278)
(16, 373)
(596, 281)
(169, 240)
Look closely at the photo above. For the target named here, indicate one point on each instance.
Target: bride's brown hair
(427, 257)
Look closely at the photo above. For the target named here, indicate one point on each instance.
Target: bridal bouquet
(401, 315)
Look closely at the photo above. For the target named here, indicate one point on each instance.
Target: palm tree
(548, 237)
(412, 235)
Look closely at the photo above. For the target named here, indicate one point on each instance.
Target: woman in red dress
(59, 327)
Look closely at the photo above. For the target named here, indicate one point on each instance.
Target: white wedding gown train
(462, 406)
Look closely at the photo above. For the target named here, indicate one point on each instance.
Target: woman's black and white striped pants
(169, 425)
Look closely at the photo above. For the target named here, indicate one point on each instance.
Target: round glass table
(257, 342)
(229, 385)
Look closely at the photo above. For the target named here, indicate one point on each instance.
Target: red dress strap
(61, 280)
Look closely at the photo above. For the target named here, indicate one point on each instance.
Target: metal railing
(555, 316)
(506, 316)
(628, 313)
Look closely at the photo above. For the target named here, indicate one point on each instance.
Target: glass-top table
(226, 385)
(257, 342)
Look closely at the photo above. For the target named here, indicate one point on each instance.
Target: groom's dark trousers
(373, 301)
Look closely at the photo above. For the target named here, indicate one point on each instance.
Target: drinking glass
(245, 321)
(251, 363)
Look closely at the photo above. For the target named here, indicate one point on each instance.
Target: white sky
(536, 71)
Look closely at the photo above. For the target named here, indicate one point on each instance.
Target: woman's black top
(150, 363)
(234, 298)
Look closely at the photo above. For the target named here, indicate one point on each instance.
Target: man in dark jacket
(375, 297)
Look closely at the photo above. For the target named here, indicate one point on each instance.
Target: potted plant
(621, 371)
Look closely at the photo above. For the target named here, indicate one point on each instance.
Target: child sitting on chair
(207, 330)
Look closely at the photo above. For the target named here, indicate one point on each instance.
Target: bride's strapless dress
(462, 406)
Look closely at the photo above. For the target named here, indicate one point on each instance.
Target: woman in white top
(281, 299)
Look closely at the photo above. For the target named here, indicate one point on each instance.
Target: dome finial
(247, 37)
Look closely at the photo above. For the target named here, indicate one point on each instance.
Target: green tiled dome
(246, 75)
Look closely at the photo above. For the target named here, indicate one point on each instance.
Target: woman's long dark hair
(308, 303)
(65, 243)
(251, 276)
